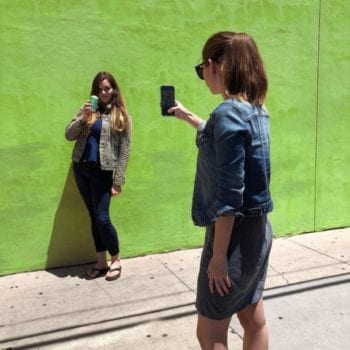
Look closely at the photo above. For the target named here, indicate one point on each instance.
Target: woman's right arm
(76, 126)
(183, 113)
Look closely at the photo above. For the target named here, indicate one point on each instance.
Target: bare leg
(212, 334)
(252, 319)
(115, 269)
(115, 261)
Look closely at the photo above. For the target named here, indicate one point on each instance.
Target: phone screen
(167, 99)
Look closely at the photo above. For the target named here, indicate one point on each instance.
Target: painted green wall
(332, 198)
(50, 51)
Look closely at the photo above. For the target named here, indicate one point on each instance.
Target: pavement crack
(284, 278)
(280, 274)
(232, 330)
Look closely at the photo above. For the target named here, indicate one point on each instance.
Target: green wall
(50, 51)
(332, 199)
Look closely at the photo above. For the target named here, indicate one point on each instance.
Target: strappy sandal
(113, 273)
(95, 272)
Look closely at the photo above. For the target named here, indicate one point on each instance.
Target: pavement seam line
(317, 251)
(110, 296)
(174, 274)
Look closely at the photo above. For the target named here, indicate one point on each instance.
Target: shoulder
(230, 115)
(239, 108)
(237, 111)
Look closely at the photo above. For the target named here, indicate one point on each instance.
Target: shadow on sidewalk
(140, 318)
(108, 324)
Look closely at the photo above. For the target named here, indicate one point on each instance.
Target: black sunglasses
(216, 58)
(199, 70)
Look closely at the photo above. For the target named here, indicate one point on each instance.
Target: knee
(252, 324)
(102, 219)
(211, 341)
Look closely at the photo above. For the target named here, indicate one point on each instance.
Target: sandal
(95, 272)
(113, 273)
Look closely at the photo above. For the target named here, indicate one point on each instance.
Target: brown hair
(120, 118)
(241, 64)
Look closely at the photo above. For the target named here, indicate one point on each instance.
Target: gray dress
(247, 254)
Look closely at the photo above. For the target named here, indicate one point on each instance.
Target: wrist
(188, 117)
(219, 254)
(82, 120)
(195, 121)
(201, 125)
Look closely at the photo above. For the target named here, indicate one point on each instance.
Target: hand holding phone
(167, 99)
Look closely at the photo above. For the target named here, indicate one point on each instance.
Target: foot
(114, 271)
(97, 271)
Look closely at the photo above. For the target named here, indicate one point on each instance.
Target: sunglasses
(216, 58)
(199, 70)
(105, 90)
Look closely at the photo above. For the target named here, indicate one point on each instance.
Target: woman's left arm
(229, 133)
(122, 162)
(218, 266)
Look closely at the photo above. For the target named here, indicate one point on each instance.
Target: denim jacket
(114, 146)
(233, 164)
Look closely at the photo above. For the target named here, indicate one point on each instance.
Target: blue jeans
(94, 186)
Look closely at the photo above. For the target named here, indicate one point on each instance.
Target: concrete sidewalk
(152, 305)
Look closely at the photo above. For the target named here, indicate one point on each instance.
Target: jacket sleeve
(123, 157)
(75, 127)
(229, 132)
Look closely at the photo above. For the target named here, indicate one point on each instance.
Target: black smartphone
(167, 99)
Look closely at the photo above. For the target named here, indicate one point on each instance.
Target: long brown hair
(120, 118)
(242, 68)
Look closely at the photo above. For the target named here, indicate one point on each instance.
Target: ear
(213, 66)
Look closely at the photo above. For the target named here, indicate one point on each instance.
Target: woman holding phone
(100, 158)
(231, 195)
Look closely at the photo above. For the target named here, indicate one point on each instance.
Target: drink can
(93, 101)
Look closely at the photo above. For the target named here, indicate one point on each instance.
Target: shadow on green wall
(71, 241)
